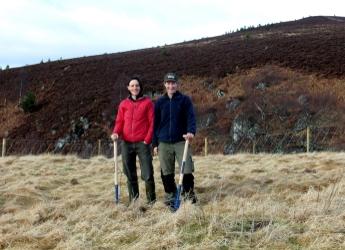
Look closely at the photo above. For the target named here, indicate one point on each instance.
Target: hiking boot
(188, 188)
(169, 188)
(133, 191)
(150, 192)
(189, 196)
(169, 199)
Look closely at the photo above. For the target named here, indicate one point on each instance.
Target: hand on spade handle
(188, 136)
(114, 137)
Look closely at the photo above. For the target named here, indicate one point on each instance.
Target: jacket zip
(170, 120)
(133, 108)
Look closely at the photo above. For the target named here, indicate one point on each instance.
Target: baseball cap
(170, 77)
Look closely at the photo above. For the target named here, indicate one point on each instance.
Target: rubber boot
(169, 188)
(188, 188)
(133, 191)
(150, 192)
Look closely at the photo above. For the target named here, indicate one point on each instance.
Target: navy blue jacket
(173, 118)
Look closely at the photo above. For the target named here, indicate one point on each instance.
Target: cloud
(31, 30)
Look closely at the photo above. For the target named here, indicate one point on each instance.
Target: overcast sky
(35, 30)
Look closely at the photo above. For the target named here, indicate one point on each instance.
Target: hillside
(246, 201)
(279, 75)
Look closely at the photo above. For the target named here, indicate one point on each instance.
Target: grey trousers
(169, 152)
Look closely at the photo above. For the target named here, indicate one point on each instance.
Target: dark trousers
(170, 185)
(129, 152)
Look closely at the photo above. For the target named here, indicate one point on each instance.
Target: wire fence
(307, 140)
(83, 148)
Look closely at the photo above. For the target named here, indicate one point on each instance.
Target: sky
(32, 31)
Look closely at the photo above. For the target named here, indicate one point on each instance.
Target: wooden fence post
(308, 139)
(99, 146)
(206, 149)
(3, 153)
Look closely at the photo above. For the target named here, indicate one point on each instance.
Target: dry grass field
(245, 201)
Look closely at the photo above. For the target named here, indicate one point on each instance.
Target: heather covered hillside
(261, 86)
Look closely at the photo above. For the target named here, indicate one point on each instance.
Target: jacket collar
(136, 100)
(176, 94)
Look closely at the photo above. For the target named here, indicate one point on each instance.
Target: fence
(83, 148)
(308, 140)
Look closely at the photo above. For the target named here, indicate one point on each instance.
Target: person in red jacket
(134, 125)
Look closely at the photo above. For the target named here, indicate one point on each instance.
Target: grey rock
(229, 149)
(303, 122)
(61, 142)
(85, 122)
(261, 86)
(220, 93)
(243, 127)
(303, 100)
(206, 120)
(208, 84)
(67, 68)
(232, 105)
(77, 129)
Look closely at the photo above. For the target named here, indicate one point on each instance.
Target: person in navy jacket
(134, 124)
(173, 124)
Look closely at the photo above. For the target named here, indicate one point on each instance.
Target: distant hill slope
(309, 51)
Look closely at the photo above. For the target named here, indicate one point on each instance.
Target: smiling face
(171, 87)
(134, 87)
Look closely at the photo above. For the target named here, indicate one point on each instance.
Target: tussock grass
(245, 201)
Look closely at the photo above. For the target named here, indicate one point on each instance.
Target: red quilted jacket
(134, 120)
